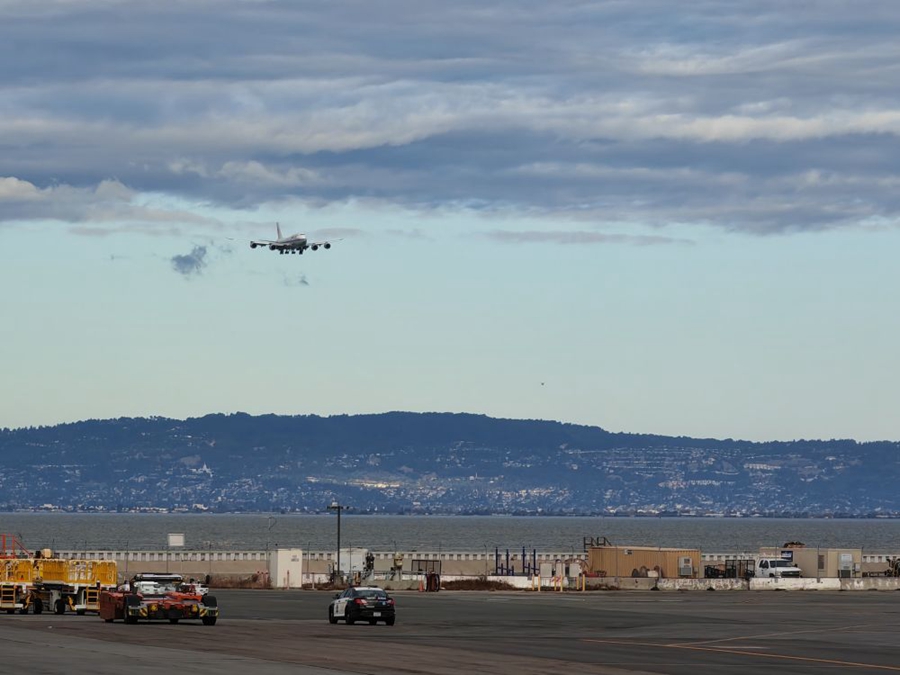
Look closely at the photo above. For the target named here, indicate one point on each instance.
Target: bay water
(96, 531)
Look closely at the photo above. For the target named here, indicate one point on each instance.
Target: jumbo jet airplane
(295, 243)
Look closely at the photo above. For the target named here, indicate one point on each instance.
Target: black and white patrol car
(362, 603)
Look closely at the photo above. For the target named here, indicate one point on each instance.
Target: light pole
(270, 523)
(394, 569)
(818, 566)
(308, 570)
(337, 507)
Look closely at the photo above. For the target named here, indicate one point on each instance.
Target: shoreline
(382, 514)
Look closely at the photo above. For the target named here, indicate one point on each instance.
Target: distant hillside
(435, 463)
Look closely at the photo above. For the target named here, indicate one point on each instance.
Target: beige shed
(644, 561)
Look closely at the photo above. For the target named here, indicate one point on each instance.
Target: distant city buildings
(433, 463)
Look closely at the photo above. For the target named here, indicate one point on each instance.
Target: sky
(651, 216)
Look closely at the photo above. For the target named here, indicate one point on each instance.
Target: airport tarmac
(276, 632)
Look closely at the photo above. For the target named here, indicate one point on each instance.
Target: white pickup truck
(776, 568)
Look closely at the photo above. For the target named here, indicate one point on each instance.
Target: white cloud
(255, 172)
(109, 203)
(13, 189)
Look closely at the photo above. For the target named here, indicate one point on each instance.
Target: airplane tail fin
(278, 230)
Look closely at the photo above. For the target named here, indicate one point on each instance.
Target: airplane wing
(314, 245)
(264, 242)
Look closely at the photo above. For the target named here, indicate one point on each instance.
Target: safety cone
(421, 586)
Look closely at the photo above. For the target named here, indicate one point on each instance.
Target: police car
(362, 603)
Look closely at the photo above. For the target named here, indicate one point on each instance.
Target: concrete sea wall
(317, 565)
(824, 584)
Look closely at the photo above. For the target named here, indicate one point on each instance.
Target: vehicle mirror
(336, 596)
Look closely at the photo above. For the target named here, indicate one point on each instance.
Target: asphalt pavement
(521, 633)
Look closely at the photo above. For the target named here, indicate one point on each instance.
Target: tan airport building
(820, 563)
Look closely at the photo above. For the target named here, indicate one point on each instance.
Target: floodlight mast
(334, 506)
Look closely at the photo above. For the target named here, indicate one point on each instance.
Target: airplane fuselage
(295, 243)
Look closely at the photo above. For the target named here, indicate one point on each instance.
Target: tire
(173, 620)
(209, 620)
(390, 621)
(210, 601)
(59, 607)
(80, 612)
(372, 622)
(331, 617)
(108, 620)
(130, 619)
(38, 606)
(348, 617)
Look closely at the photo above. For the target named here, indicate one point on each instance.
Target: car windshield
(372, 594)
(154, 587)
(782, 563)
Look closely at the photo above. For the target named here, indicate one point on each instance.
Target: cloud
(14, 190)
(295, 281)
(191, 264)
(255, 172)
(654, 113)
(96, 210)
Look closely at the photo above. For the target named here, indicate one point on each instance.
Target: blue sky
(660, 217)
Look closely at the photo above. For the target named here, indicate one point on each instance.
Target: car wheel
(348, 617)
(331, 617)
(390, 621)
(372, 622)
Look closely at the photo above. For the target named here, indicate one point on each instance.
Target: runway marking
(759, 655)
(781, 634)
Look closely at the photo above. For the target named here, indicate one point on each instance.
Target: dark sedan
(362, 603)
